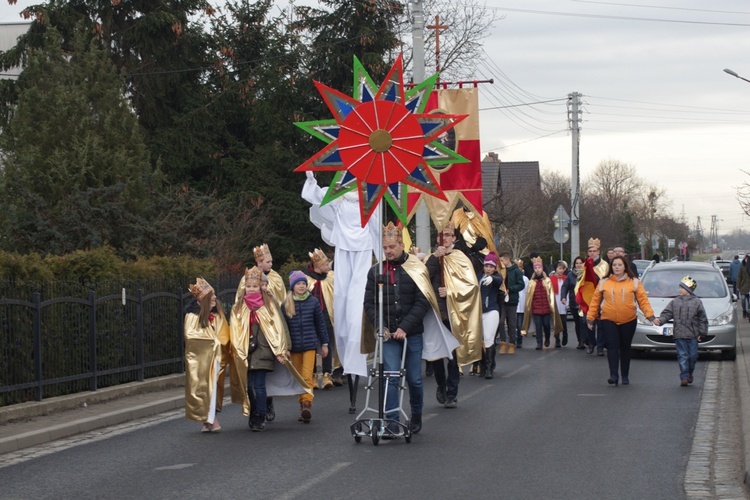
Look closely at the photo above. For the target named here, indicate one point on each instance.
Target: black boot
(490, 355)
(415, 423)
(428, 371)
(270, 412)
(557, 341)
(483, 364)
(565, 339)
(353, 382)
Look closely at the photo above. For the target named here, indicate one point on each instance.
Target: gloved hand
(310, 176)
(487, 280)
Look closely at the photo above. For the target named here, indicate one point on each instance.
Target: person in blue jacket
(307, 330)
(734, 273)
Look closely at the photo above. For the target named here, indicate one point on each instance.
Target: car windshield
(665, 283)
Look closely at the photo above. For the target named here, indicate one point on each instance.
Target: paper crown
(535, 261)
(253, 276)
(392, 233)
(594, 243)
(317, 256)
(200, 289)
(261, 252)
(688, 283)
(450, 227)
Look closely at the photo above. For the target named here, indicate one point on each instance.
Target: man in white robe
(355, 247)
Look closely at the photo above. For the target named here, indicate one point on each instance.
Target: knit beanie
(295, 277)
(491, 259)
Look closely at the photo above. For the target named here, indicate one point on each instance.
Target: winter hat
(295, 277)
(537, 263)
(688, 284)
(491, 259)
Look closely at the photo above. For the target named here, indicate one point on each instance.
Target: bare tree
(743, 195)
(469, 23)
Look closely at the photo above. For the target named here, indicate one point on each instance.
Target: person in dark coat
(307, 330)
(404, 308)
(568, 297)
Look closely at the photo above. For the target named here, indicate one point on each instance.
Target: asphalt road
(547, 426)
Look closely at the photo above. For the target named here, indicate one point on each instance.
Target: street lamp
(734, 74)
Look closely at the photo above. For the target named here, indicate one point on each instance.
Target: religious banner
(460, 182)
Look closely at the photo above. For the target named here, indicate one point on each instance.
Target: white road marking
(20, 456)
(175, 467)
(516, 371)
(303, 488)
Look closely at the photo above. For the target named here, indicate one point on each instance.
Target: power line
(662, 7)
(621, 18)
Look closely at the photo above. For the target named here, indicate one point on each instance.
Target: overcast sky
(654, 93)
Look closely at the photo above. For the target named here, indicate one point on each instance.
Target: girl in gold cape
(280, 382)
(205, 325)
(541, 279)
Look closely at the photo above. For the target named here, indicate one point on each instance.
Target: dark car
(724, 267)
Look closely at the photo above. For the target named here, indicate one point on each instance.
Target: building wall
(9, 33)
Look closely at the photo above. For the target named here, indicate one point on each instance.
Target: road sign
(561, 220)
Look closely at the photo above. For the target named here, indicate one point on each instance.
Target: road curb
(47, 434)
(25, 411)
(743, 385)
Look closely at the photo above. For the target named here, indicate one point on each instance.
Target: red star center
(377, 133)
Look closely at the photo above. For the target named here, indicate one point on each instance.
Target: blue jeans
(595, 337)
(392, 350)
(619, 339)
(256, 390)
(687, 355)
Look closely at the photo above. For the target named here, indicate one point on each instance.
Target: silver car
(661, 282)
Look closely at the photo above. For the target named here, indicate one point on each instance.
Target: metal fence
(90, 337)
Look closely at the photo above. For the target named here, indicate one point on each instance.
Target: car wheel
(729, 355)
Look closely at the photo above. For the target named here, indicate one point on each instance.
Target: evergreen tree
(77, 172)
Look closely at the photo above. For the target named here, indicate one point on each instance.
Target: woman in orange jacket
(616, 298)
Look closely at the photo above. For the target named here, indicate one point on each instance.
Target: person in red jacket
(541, 306)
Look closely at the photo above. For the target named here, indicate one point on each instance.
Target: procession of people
(451, 308)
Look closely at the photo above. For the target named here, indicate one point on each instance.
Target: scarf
(254, 301)
(300, 298)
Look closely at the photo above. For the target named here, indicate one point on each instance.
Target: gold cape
(202, 352)
(276, 286)
(557, 325)
(274, 328)
(326, 286)
(587, 287)
(437, 342)
(472, 227)
(464, 306)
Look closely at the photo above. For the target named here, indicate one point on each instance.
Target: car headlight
(723, 318)
(641, 319)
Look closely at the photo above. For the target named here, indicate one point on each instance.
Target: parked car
(724, 267)
(641, 265)
(661, 282)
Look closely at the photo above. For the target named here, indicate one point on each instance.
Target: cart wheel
(375, 438)
(407, 437)
(357, 439)
(375, 433)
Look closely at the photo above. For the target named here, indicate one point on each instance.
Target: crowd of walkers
(460, 306)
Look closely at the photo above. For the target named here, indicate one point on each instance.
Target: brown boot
(306, 414)
(503, 348)
(511, 348)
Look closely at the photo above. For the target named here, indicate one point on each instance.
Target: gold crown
(595, 243)
(450, 227)
(393, 233)
(261, 252)
(317, 256)
(689, 282)
(253, 276)
(200, 289)
(537, 260)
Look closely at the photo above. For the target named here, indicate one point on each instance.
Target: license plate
(667, 331)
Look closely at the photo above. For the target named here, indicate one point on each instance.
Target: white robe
(355, 247)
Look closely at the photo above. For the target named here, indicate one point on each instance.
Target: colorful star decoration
(380, 142)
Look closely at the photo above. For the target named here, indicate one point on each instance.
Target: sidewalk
(31, 424)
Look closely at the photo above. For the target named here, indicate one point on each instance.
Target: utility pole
(574, 120)
(417, 35)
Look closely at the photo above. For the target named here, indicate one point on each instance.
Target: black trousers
(617, 340)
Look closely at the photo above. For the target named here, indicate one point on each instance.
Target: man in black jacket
(404, 308)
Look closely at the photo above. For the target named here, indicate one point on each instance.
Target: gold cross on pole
(438, 28)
